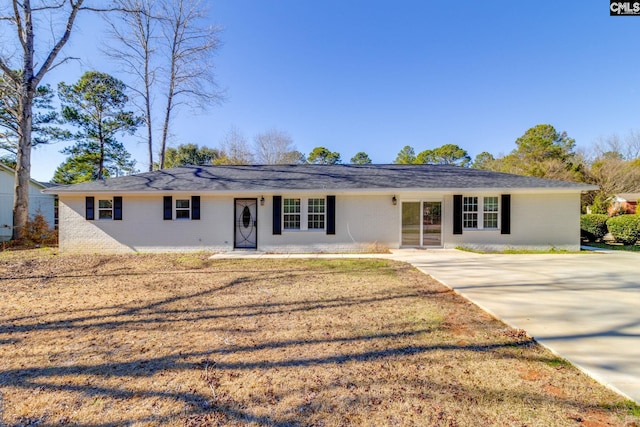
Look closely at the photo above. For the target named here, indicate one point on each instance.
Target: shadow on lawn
(203, 408)
(36, 378)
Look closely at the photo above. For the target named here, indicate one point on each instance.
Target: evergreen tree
(323, 156)
(406, 156)
(361, 158)
(96, 106)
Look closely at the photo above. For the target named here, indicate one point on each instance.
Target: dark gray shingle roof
(316, 177)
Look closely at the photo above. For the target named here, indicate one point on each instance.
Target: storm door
(246, 224)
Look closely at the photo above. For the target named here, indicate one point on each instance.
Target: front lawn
(184, 340)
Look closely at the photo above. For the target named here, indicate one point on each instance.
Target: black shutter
(457, 214)
(331, 214)
(117, 208)
(505, 219)
(277, 214)
(195, 207)
(168, 207)
(89, 208)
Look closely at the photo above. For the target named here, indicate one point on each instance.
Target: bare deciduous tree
(628, 147)
(167, 48)
(235, 150)
(134, 34)
(274, 147)
(189, 46)
(615, 166)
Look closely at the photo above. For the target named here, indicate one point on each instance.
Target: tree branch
(75, 7)
(62, 61)
(53, 7)
(19, 28)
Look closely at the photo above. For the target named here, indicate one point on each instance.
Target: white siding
(538, 221)
(6, 204)
(142, 228)
(360, 222)
(363, 221)
(38, 203)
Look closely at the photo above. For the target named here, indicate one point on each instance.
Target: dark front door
(246, 224)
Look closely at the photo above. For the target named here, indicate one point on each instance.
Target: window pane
(470, 220)
(182, 204)
(182, 214)
(470, 204)
(291, 206)
(291, 217)
(105, 214)
(105, 204)
(491, 204)
(316, 221)
(291, 221)
(470, 212)
(411, 223)
(316, 206)
(490, 220)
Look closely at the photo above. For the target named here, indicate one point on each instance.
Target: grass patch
(631, 407)
(614, 246)
(184, 340)
(348, 264)
(558, 362)
(516, 251)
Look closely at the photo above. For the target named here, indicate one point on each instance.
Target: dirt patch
(184, 340)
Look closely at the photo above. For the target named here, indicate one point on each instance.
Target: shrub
(600, 204)
(625, 228)
(39, 233)
(593, 226)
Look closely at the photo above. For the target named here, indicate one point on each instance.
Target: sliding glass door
(431, 223)
(421, 223)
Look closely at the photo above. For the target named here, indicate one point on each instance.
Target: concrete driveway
(584, 307)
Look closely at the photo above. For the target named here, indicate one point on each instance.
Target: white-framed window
(105, 208)
(304, 214)
(183, 209)
(316, 214)
(490, 212)
(470, 212)
(481, 213)
(291, 214)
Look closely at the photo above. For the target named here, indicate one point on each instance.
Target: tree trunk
(28, 83)
(101, 156)
(23, 166)
(165, 129)
(25, 124)
(146, 29)
(150, 141)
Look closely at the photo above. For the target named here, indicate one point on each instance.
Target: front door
(246, 224)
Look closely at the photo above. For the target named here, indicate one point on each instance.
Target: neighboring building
(38, 202)
(624, 203)
(318, 208)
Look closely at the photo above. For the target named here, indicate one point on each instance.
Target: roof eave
(520, 190)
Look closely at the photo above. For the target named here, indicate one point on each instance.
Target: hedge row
(624, 228)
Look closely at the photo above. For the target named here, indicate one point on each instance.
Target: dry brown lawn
(184, 340)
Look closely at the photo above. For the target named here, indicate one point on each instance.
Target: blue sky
(374, 76)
